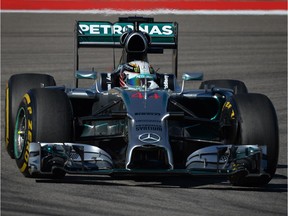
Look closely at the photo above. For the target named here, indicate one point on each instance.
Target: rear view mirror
(85, 74)
(187, 76)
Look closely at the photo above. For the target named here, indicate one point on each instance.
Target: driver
(129, 75)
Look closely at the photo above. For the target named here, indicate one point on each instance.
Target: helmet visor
(136, 79)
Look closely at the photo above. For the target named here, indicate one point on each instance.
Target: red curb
(142, 5)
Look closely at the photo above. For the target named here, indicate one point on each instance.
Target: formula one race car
(136, 121)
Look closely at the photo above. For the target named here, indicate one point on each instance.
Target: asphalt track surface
(249, 48)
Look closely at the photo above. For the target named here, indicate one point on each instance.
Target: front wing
(75, 158)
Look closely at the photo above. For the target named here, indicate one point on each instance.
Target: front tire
(44, 115)
(254, 122)
(17, 86)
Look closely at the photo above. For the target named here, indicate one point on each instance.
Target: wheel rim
(20, 133)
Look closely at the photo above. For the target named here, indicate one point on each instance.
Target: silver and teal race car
(136, 121)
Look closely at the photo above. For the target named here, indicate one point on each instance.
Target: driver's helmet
(130, 76)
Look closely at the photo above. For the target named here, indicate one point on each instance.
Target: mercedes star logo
(149, 138)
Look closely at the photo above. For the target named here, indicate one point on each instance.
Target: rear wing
(164, 35)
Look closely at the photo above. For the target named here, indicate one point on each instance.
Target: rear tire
(44, 115)
(237, 86)
(16, 87)
(254, 121)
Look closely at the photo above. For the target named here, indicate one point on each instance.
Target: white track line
(155, 12)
